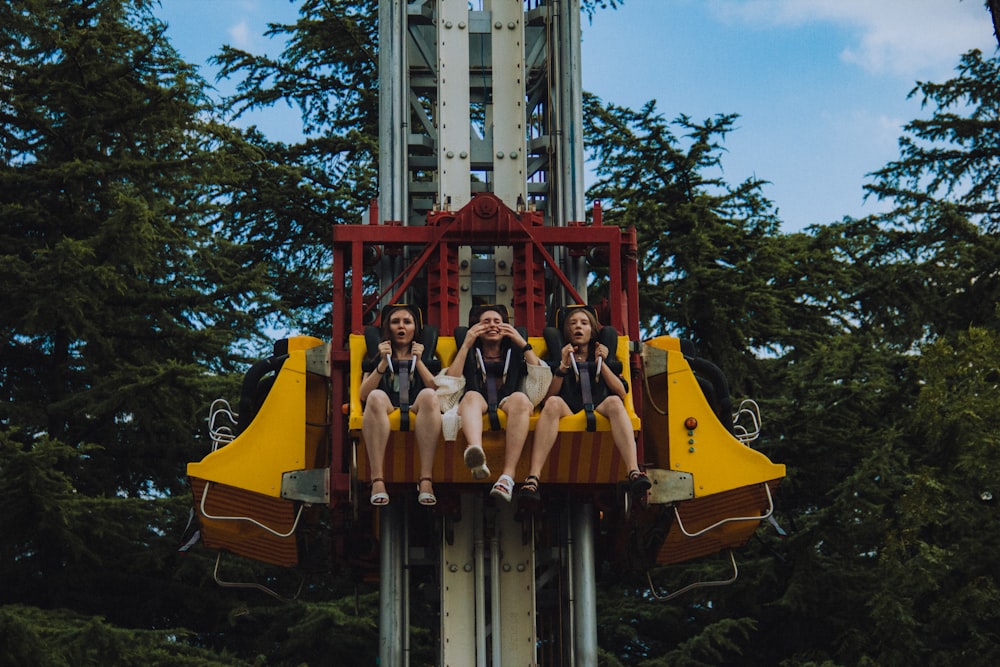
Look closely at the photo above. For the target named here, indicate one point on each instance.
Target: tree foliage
(713, 267)
(146, 242)
(879, 406)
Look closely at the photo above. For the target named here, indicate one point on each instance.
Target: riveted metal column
(462, 622)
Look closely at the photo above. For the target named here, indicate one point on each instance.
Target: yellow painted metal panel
(272, 444)
(715, 458)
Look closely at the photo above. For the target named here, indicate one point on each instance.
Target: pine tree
(128, 298)
(713, 267)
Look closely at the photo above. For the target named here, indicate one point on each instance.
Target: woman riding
(583, 354)
(400, 379)
(494, 359)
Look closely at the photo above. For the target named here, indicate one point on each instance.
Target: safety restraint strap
(403, 375)
(492, 402)
(588, 396)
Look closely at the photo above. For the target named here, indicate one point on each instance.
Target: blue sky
(820, 85)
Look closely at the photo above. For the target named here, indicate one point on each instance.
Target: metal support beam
(507, 105)
(393, 102)
(514, 623)
(453, 111)
(393, 594)
(584, 585)
(461, 560)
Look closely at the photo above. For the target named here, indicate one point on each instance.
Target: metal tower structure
(483, 97)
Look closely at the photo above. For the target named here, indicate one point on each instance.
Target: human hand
(567, 355)
(472, 334)
(507, 329)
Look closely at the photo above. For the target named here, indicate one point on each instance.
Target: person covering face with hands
(493, 358)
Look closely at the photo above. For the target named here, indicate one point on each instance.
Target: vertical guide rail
(507, 106)
(393, 595)
(393, 101)
(584, 585)
(566, 95)
(454, 142)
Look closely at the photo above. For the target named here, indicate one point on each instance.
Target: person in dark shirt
(585, 367)
(493, 358)
(400, 354)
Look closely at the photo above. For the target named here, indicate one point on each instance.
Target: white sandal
(424, 498)
(503, 488)
(379, 499)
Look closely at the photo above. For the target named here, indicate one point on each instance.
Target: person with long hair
(584, 368)
(400, 379)
(493, 357)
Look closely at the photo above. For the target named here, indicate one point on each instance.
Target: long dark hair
(477, 311)
(387, 313)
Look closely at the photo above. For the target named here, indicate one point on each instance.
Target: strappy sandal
(529, 489)
(425, 498)
(503, 488)
(379, 499)
(638, 483)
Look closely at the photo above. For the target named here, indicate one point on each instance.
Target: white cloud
(248, 21)
(912, 38)
(240, 34)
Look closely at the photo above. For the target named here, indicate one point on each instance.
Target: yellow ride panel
(715, 459)
(276, 440)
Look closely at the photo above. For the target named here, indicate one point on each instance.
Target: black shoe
(529, 490)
